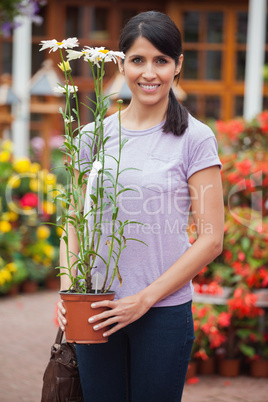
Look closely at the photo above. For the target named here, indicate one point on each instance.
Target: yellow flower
(13, 217)
(7, 145)
(35, 167)
(34, 185)
(5, 226)
(4, 156)
(59, 231)
(10, 216)
(49, 208)
(50, 181)
(48, 250)
(5, 276)
(22, 165)
(14, 181)
(65, 66)
(43, 232)
(11, 267)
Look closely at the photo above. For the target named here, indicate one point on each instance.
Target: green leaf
(94, 198)
(111, 197)
(115, 212)
(245, 243)
(124, 170)
(123, 142)
(110, 176)
(140, 241)
(247, 350)
(125, 189)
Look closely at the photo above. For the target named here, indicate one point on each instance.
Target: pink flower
(29, 200)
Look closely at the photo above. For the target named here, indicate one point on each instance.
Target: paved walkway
(27, 332)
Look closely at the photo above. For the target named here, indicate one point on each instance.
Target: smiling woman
(149, 75)
(176, 166)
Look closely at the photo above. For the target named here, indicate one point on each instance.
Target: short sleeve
(83, 142)
(204, 156)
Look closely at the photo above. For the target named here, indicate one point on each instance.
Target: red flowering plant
(208, 336)
(245, 252)
(243, 152)
(245, 179)
(239, 135)
(237, 322)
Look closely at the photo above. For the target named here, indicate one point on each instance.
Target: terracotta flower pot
(206, 367)
(229, 367)
(29, 286)
(78, 311)
(259, 368)
(52, 283)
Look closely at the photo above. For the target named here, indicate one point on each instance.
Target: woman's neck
(141, 117)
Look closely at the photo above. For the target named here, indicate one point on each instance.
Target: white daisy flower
(62, 90)
(74, 54)
(55, 45)
(113, 56)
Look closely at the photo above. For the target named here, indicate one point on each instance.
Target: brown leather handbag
(61, 382)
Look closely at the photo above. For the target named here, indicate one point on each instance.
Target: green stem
(111, 248)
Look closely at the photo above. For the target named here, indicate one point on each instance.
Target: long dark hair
(161, 31)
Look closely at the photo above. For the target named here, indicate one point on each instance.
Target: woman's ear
(179, 65)
(121, 66)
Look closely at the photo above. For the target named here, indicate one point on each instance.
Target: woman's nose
(149, 72)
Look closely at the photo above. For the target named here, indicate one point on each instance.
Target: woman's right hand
(61, 315)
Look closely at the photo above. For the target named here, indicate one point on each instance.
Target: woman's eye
(161, 61)
(136, 60)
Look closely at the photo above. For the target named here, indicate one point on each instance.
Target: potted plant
(208, 337)
(257, 341)
(96, 184)
(240, 311)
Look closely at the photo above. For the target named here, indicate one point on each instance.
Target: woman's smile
(149, 87)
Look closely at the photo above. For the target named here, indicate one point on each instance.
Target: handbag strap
(59, 336)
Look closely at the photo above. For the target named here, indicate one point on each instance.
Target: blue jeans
(144, 362)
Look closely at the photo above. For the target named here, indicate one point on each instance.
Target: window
(203, 45)
(214, 42)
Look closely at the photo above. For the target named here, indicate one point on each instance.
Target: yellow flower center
(59, 43)
(104, 51)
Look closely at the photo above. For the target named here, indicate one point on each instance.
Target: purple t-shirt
(161, 200)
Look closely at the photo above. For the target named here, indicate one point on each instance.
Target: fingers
(106, 314)
(61, 312)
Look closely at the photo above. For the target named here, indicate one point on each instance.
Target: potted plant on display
(257, 342)
(208, 336)
(240, 312)
(92, 197)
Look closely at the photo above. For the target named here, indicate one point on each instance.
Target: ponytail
(177, 116)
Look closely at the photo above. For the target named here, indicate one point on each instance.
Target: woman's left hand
(123, 312)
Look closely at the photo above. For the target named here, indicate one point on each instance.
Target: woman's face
(148, 72)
